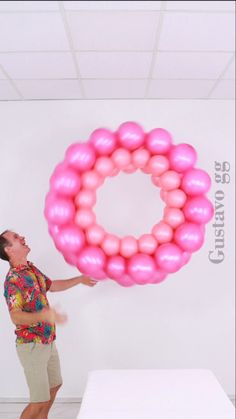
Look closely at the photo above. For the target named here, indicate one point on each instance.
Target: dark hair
(4, 243)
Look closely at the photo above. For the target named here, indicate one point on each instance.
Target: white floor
(58, 411)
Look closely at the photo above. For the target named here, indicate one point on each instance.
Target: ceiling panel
(190, 65)
(113, 30)
(114, 64)
(225, 89)
(14, 6)
(112, 5)
(198, 31)
(49, 89)
(39, 65)
(7, 92)
(180, 89)
(230, 72)
(120, 89)
(32, 32)
(201, 5)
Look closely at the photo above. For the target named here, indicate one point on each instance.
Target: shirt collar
(22, 267)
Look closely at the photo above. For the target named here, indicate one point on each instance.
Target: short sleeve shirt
(25, 288)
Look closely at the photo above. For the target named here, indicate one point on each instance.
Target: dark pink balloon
(196, 182)
(125, 281)
(158, 141)
(91, 261)
(115, 267)
(169, 257)
(65, 182)
(59, 211)
(70, 240)
(81, 156)
(198, 210)
(130, 135)
(141, 268)
(189, 237)
(103, 141)
(182, 157)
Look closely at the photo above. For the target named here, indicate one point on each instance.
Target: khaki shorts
(42, 369)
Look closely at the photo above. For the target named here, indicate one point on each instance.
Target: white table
(154, 394)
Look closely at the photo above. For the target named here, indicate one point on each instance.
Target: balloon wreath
(127, 260)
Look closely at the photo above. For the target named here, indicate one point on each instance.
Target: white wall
(184, 322)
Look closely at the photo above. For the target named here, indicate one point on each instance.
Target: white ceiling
(117, 50)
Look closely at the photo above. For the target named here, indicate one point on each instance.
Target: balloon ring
(127, 260)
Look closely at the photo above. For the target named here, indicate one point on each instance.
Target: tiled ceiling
(117, 50)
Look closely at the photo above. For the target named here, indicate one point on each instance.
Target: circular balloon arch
(128, 260)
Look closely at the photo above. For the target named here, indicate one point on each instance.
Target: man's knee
(36, 408)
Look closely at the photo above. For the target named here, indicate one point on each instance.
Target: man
(25, 291)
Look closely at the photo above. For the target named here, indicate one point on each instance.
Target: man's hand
(87, 281)
(50, 315)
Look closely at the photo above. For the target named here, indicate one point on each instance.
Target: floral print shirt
(25, 288)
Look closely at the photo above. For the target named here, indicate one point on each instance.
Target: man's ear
(8, 250)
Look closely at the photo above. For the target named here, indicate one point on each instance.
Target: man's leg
(47, 406)
(33, 411)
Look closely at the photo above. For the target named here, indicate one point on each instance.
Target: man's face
(18, 248)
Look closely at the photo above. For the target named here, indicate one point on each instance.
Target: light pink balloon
(157, 165)
(103, 141)
(189, 237)
(198, 210)
(121, 158)
(158, 141)
(110, 244)
(65, 182)
(125, 281)
(140, 158)
(71, 258)
(115, 172)
(175, 198)
(115, 267)
(91, 261)
(169, 257)
(59, 211)
(186, 256)
(159, 276)
(80, 156)
(86, 198)
(131, 135)
(163, 195)
(91, 180)
(128, 246)
(156, 181)
(84, 218)
(196, 182)
(70, 239)
(104, 166)
(147, 244)
(95, 234)
(162, 232)
(170, 180)
(141, 268)
(173, 216)
(130, 169)
(182, 157)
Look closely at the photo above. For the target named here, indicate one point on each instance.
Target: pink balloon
(198, 210)
(130, 168)
(125, 281)
(186, 256)
(104, 166)
(65, 182)
(141, 268)
(175, 198)
(157, 165)
(84, 218)
(128, 246)
(80, 156)
(70, 258)
(170, 180)
(156, 181)
(86, 198)
(159, 276)
(91, 261)
(59, 211)
(162, 232)
(110, 244)
(131, 135)
(70, 240)
(147, 243)
(103, 141)
(95, 234)
(189, 237)
(169, 257)
(182, 157)
(173, 216)
(163, 194)
(91, 180)
(140, 158)
(115, 267)
(121, 158)
(53, 230)
(196, 182)
(158, 141)
(115, 172)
